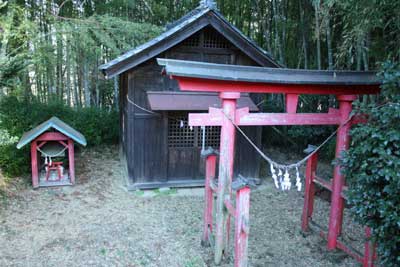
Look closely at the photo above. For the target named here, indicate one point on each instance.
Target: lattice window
(212, 134)
(181, 135)
(179, 132)
(192, 41)
(213, 39)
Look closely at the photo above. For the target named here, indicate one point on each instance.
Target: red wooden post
(242, 226)
(369, 250)
(34, 164)
(342, 144)
(309, 191)
(225, 174)
(291, 102)
(211, 162)
(71, 161)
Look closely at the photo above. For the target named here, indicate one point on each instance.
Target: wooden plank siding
(144, 137)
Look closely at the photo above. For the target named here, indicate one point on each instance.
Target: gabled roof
(181, 29)
(53, 123)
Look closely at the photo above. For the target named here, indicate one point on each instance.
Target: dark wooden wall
(144, 135)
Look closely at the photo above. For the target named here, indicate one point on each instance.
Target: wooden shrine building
(157, 145)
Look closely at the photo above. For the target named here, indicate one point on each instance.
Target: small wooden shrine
(158, 147)
(52, 152)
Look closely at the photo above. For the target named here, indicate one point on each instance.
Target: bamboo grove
(52, 49)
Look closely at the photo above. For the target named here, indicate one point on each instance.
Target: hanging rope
(181, 122)
(287, 166)
(48, 157)
(140, 107)
(52, 155)
(283, 180)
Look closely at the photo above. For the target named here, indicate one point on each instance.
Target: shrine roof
(53, 123)
(222, 72)
(197, 19)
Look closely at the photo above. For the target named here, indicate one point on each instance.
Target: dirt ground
(98, 223)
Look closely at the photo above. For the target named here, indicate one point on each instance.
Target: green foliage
(372, 166)
(15, 30)
(99, 126)
(14, 162)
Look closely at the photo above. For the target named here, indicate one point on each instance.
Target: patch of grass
(194, 262)
(171, 191)
(103, 251)
(138, 193)
(3, 198)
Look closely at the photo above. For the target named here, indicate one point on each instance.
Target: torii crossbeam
(229, 81)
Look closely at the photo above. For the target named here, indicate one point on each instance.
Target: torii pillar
(227, 147)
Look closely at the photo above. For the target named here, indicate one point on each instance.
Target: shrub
(99, 126)
(372, 167)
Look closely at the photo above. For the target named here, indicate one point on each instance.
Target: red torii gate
(229, 81)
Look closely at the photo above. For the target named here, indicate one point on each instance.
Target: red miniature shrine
(52, 139)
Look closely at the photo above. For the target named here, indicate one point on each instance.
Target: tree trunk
(329, 42)
(365, 53)
(86, 83)
(359, 54)
(278, 47)
(317, 33)
(96, 80)
(76, 86)
(284, 8)
(68, 74)
(304, 34)
(59, 66)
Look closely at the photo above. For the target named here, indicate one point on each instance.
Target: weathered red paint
(242, 226)
(323, 183)
(56, 166)
(229, 207)
(208, 85)
(253, 119)
(63, 143)
(342, 144)
(225, 174)
(369, 250)
(34, 165)
(244, 118)
(291, 102)
(309, 191)
(211, 162)
(52, 136)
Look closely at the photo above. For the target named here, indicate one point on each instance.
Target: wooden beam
(208, 85)
(291, 102)
(211, 162)
(253, 119)
(242, 227)
(52, 136)
(244, 118)
(34, 165)
(225, 173)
